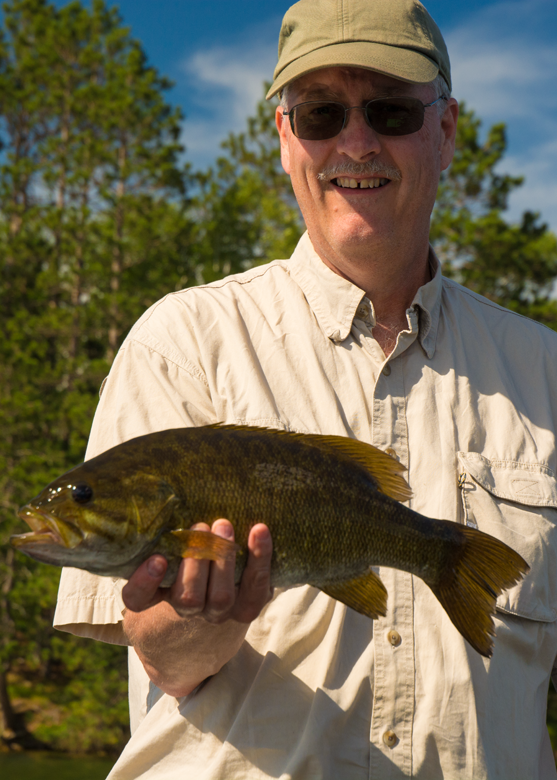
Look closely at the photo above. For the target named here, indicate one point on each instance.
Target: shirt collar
(335, 300)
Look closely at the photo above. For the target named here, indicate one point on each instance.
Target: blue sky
(503, 54)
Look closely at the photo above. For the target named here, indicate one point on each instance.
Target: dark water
(48, 766)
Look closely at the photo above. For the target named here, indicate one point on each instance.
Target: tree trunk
(114, 328)
(14, 731)
(8, 713)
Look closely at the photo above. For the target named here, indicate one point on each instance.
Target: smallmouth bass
(332, 505)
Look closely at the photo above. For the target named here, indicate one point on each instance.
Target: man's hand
(186, 633)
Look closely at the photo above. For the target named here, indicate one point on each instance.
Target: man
(358, 335)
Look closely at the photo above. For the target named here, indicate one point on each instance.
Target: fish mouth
(46, 529)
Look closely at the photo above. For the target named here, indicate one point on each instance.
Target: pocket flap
(516, 502)
(525, 483)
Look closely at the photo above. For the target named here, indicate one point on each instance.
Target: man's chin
(354, 231)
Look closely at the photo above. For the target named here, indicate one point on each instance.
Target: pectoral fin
(204, 545)
(366, 594)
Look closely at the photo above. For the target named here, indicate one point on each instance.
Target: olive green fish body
(332, 506)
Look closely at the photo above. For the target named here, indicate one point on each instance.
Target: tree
(244, 210)
(512, 264)
(92, 223)
(97, 220)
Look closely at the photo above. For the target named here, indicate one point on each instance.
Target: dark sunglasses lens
(395, 116)
(317, 121)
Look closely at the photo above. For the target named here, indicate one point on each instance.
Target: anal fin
(204, 545)
(366, 594)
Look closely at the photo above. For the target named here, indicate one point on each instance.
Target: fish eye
(82, 493)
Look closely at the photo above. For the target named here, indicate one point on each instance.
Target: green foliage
(96, 223)
(98, 219)
(245, 211)
(512, 264)
(92, 223)
(73, 691)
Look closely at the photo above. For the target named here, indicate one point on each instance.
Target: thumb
(142, 589)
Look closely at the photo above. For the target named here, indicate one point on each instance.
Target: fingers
(221, 590)
(207, 588)
(188, 593)
(255, 587)
(142, 589)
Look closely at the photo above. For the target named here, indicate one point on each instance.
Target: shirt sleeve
(146, 391)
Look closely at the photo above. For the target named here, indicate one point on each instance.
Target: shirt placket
(394, 665)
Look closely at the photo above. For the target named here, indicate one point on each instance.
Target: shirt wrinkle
(335, 300)
(170, 356)
(467, 402)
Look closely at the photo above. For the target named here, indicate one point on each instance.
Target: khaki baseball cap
(395, 37)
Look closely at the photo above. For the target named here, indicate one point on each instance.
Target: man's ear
(282, 123)
(448, 133)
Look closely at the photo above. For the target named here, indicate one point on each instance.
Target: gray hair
(441, 88)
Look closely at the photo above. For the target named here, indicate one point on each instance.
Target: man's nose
(357, 139)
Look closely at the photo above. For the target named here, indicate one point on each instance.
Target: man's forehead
(332, 82)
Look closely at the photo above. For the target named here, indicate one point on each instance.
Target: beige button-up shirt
(468, 402)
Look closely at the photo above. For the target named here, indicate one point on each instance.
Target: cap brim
(404, 64)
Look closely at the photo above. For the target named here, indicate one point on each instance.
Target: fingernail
(155, 567)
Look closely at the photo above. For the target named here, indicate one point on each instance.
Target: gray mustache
(371, 168)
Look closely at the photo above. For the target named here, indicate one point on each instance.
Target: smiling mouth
(359, 184)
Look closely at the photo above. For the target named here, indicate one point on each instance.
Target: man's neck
(390, 274)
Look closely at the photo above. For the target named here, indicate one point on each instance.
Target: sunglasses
(318, 120)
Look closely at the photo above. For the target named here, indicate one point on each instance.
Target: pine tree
(514, 265)
(245, 210)
(93, 224)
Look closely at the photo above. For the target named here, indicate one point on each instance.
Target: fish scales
(333, 506)
(329, 495)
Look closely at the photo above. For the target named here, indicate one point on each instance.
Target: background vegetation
(99, 218)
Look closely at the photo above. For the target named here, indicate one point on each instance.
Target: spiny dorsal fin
(386, 471)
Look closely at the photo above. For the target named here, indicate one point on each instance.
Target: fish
(334, 506)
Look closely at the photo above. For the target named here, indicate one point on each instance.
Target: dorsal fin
(384, 469)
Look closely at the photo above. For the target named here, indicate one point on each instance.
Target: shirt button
(363, 311)
(387, 370)
(394, 638)
(390, 738)
(391, 452)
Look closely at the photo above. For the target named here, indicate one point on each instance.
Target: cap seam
(339, 18)
(404, 26)
(344, 12)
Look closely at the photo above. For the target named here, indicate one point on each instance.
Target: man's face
(347, 220)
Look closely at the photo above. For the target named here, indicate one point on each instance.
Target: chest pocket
(517, 503)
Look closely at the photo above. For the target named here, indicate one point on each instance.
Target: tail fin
(468, 591)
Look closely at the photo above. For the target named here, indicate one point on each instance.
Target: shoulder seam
(218, 284)
(234, 278)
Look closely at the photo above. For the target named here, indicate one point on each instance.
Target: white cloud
(237, 73)
(504, 64)
(539, 193)
(227, 82)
